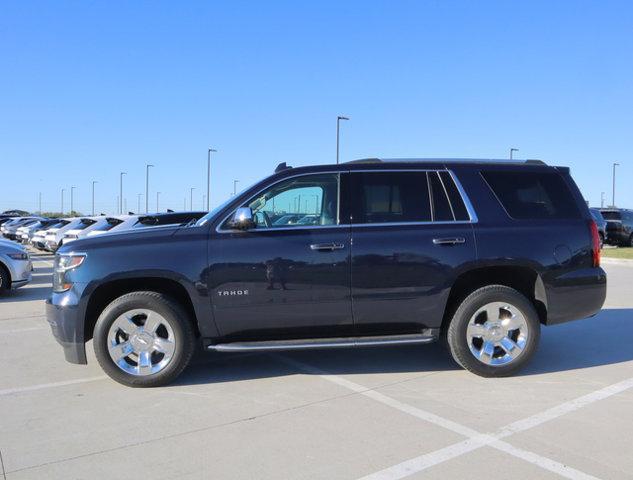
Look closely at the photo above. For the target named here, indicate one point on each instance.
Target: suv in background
(601, 223)
(477, 253)
(619, 226)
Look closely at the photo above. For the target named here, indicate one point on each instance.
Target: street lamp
(235, 187)
(93, 197)
(338, 121)
(191, 198)
(138, 196)
(613, 191)
(147, 187)
(72, 189)
(209, 174)
(157, 195)
(121, 192)
(63, 190)
(512, 150)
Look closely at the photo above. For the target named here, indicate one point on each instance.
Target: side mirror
(242, 219)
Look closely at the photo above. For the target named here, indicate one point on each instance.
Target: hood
(7, 246)
(126, 237)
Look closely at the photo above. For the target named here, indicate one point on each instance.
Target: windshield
(612, 215)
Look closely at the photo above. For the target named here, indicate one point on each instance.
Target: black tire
(601, 240)
(630, 242)
(458, 342)
(5, 279)
(172, 312)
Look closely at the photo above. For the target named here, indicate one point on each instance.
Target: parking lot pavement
(399, 412)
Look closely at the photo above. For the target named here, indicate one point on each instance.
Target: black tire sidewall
(171, 312)
(5, 280)
(458, 342)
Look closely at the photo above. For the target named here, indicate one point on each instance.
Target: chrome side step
(303, 344)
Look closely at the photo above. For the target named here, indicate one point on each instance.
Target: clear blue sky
(88, 89)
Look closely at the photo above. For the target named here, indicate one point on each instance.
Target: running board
(304, 344)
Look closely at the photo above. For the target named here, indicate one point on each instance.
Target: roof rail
(366, 160)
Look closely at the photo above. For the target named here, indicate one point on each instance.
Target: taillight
(595, 243)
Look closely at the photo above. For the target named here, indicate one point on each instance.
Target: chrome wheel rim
(497, 333)
(141, 342)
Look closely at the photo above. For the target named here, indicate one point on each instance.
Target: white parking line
(475, 439)
(21, 330)
(44, 386)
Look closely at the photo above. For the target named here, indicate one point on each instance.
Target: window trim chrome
(467, 203)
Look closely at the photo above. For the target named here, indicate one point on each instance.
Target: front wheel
(494, 332)
(143, 339)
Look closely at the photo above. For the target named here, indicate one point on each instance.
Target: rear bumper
(578, 294)
(66, 318)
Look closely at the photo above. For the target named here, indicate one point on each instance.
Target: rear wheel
(494, 332)
(143, 339)
(630, 242)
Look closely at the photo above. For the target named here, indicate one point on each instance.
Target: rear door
(411, 234)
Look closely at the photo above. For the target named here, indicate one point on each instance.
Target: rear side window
(390, 197)
(533, 195)
(457, 203)
(611, 215)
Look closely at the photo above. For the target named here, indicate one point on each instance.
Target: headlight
(64, 264)
(19, 256)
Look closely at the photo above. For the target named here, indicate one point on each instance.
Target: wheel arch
(7, 270)
(105, 293)
(522, 278)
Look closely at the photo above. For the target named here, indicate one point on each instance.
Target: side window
(390, 197)
(298, 202)
(457, 202)
(533, 195)
(442, 210)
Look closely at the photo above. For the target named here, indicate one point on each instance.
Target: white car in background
(55, 236)
(114, 224)
(39, 237)
(86, 225)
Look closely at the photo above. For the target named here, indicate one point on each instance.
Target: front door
(289, 277)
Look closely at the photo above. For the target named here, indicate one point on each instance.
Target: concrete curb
(616, 261)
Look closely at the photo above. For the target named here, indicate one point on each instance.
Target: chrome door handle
(449, 241)
(323, 247)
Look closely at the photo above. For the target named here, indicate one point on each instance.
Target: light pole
(63, 190)
(72, 189)
(235, 187)
(93, 197)
(139, 195)
(613, 192)
(601, 199)
(512, 150)
(191, 198)
(121, 192)
(157, 195)
(209, 174)
(147, 187)
(338, 121)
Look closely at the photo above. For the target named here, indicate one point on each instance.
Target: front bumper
(65, 315)
(21, 273)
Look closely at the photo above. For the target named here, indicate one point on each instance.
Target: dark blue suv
(476, 253)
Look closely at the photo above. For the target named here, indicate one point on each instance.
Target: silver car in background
(15, 266)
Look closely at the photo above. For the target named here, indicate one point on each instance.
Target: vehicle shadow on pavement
(25, 294)
(605, 339)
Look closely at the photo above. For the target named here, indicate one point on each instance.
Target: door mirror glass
(242, 219)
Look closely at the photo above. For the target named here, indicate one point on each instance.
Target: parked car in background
(619, 226)
(83, 228)
(26, 232)
(55, 236)
(10, 229)
(112, 224)
(478, 253)
(15, 266)
(288, 219)
(601, 223)
(39, 236)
